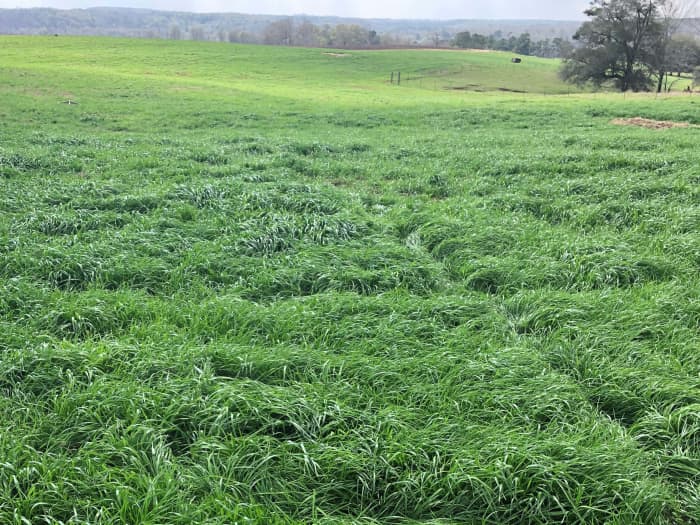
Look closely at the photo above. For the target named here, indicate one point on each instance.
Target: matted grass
(248, 284)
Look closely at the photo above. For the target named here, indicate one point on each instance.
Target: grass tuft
(249, 284)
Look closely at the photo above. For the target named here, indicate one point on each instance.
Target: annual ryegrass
(262, 285)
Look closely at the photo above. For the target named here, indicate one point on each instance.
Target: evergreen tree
(617, 44)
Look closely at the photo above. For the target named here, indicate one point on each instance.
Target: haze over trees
(286, 32)
(234, 27)
(632, 44)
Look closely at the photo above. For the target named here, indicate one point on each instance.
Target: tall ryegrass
(322, 299)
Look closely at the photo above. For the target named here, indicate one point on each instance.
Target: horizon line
(292, 15)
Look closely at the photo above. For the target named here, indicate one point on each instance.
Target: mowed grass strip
(250, 284)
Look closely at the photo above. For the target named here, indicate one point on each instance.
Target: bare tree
(175, 33)
(672, 14)
(280, 33)
(306, 35)
(350, 36)
(197, 32)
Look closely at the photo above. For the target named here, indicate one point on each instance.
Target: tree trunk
(626, 80)
(660, 83)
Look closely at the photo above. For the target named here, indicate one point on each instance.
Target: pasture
(263, 285)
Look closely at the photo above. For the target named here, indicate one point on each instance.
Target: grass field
(263, 285)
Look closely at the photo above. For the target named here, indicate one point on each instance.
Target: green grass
(262, 285)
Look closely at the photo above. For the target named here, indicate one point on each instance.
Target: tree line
(633, 45)
(289, 32)
(306, 34)
(522, 44)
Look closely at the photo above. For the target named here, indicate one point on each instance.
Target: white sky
(432, 9)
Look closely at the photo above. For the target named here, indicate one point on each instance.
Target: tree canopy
(616, 44)
(631, 43)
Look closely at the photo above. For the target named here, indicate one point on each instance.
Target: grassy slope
(247, 282)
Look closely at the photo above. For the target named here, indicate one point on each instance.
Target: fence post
(392, 77)
(399, 78)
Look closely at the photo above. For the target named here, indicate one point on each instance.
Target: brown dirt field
(649, 123)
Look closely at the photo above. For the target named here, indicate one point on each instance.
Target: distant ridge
(132, 22)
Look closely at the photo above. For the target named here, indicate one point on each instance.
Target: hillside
(263, 285)
(314, 72)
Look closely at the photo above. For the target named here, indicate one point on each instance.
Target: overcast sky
(437, 9)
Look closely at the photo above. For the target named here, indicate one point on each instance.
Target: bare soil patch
(338, 55)
(471, 87)
(649, 123)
